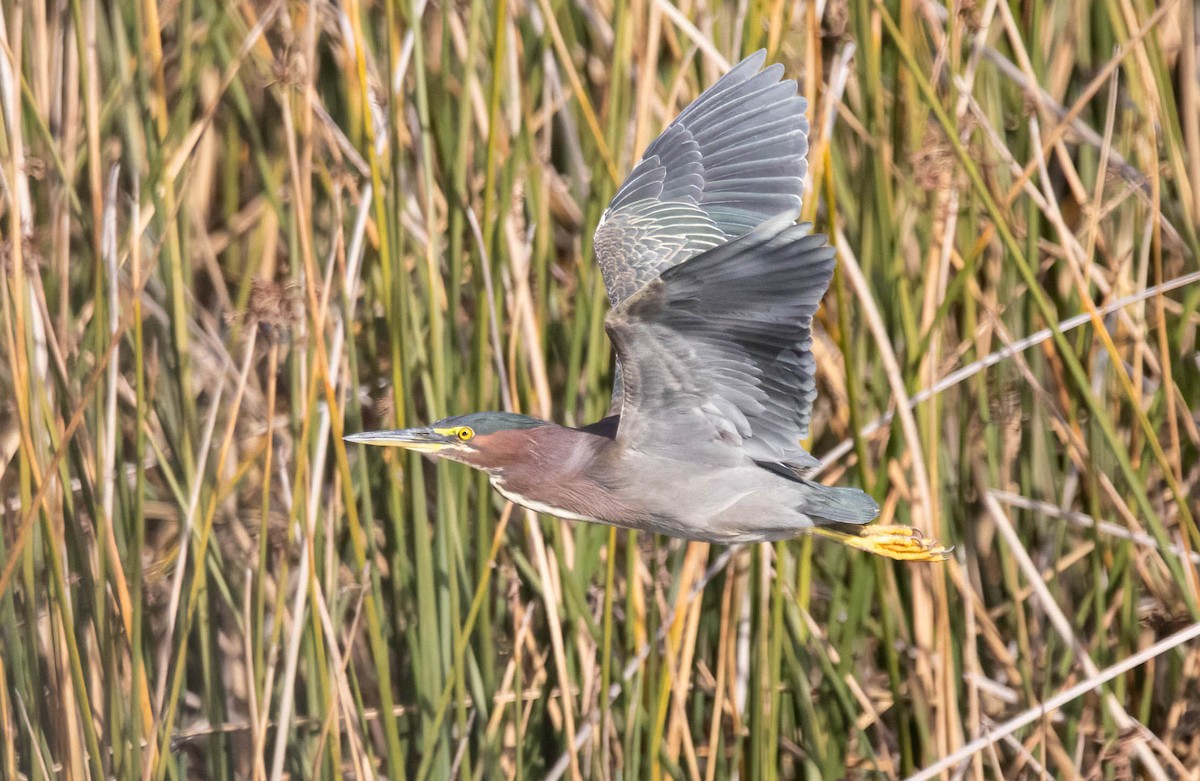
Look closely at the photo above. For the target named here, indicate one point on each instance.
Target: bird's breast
(526, 499)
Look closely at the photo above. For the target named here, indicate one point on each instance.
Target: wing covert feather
(718, 348)
(733, 158)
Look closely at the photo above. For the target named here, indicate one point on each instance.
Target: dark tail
(838, 505)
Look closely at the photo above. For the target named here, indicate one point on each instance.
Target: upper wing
(732, 159)
(718, 349)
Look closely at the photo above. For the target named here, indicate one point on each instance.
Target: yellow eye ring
(465, 434)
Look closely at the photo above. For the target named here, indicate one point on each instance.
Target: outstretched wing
(732, 159)
(718, 349)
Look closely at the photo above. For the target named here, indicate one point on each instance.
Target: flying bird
(713, 287)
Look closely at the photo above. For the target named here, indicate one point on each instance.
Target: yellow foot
(895, 542)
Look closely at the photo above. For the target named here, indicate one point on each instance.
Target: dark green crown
(490, 422)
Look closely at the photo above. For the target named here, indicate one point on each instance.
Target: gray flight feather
(722, 344)
(733, 158)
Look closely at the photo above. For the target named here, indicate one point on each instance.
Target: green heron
(713, 287)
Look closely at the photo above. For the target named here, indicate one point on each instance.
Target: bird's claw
(903, 543)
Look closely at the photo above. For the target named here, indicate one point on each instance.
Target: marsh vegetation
(234, 231)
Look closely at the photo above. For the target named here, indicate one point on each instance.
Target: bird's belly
(724, 505)
(730, 504)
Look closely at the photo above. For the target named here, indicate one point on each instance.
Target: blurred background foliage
(233, 231)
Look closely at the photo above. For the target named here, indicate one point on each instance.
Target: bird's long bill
(423, 440)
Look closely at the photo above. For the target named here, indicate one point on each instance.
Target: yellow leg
(903, 543)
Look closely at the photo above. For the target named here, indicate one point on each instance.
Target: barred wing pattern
(733, 158)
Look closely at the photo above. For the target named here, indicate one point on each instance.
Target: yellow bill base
(903, 543)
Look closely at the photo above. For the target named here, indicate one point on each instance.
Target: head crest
(484, 423)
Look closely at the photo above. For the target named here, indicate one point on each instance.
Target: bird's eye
(465, 434)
